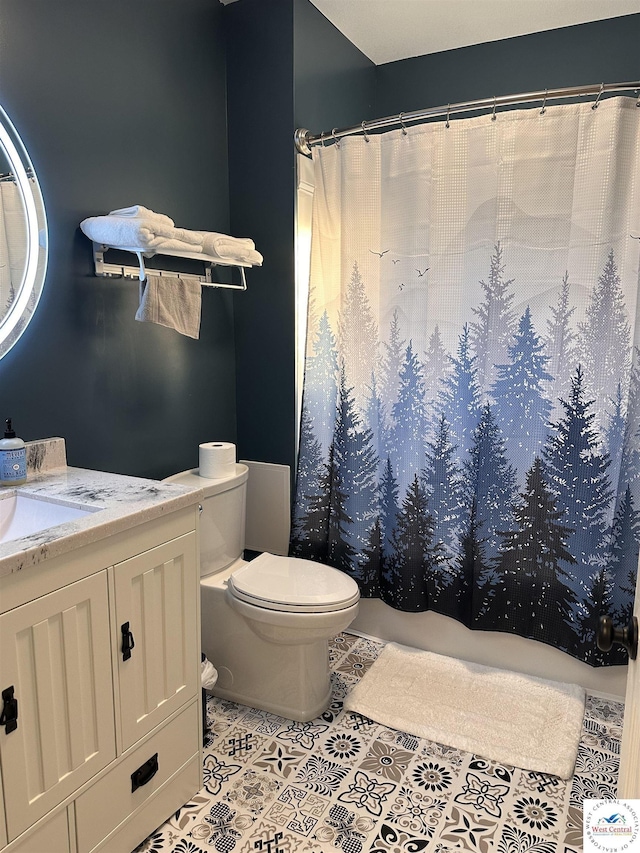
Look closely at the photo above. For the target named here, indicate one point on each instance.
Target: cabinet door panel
(56, 655)
(51, 834)
(155, 594)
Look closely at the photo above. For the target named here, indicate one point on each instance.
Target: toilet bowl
(266, 623)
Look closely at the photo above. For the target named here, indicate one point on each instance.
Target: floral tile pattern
(345, 784)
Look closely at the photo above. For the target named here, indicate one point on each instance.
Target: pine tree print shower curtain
(470, 428)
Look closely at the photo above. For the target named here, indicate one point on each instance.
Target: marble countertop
(117, 503)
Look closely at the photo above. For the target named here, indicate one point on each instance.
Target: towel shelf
(104, 269)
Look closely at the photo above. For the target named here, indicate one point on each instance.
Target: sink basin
(22, 515)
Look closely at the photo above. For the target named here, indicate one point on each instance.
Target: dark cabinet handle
(144, 773)
(627, 636)
(9, 715)
(127, 641)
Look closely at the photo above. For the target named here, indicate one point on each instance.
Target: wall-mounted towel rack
(122, 271)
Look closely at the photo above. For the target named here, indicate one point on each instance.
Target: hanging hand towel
(172, 302)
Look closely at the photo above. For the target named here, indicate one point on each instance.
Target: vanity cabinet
(56, 658)
(156, 628)
(105, 668)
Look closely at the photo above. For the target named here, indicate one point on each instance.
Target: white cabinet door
(157, 628)
(56, 657)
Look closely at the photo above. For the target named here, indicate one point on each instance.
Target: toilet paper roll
(217, 459)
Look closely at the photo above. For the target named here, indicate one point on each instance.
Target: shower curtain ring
(322, 138)
(493, 116)
(597, 101)
(544, 102)
(404, 129)
(335, 139)
(366, 138)
(448, 111)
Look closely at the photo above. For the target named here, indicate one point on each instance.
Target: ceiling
(387, 30)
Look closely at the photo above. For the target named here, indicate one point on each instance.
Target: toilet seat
(291, 584)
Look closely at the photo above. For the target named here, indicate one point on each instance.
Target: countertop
(120, 503)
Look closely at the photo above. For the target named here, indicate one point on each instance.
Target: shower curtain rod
(304, 139)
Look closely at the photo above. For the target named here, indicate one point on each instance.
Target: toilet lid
(288, 583)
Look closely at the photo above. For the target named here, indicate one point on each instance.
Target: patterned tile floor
(345, 783)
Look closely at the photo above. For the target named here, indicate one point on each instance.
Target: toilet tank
(222, 520)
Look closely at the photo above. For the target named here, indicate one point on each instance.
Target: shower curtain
(470, 426)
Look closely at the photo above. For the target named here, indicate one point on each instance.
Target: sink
(22, 515)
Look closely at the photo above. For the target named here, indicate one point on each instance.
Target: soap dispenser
(13, 458)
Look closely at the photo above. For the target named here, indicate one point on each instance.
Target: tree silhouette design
(356, 463)
(561, 343)
(435, 368)
(532, 595)
(375, 416)
(391, 364)
(441, 478)
(415, 556)
(452, 435)
(371, 562)
(577, 474)
(522, 408)
(309, 474)
(321, 389)
(605, 334)
(357, 337)
(389, 509)
(409, 420)
(490, 481)
(623, 556)
(491, 334)
(460, 395)
(595, 603)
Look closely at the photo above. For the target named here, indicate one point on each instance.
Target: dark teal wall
(119, 103)
(261, 180)
(600, 51)
(286, 65)
(125, 102)
(334, 82)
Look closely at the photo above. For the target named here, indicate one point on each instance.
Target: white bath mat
(515, 719)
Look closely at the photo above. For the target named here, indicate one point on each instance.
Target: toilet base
(303, 714)
(292, 681)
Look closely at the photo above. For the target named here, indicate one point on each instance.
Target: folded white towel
(224, 243)
(137, 211)
(139, 228)
(120, 231)
(127, 233)
(186, 236)
(253, 258)
(172, 302)
(167, 244)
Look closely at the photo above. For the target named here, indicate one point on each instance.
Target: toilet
(266, 623)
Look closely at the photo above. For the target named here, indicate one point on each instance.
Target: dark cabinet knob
(144, 773)
(627, 636)
(9, 714)
(127, 641)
